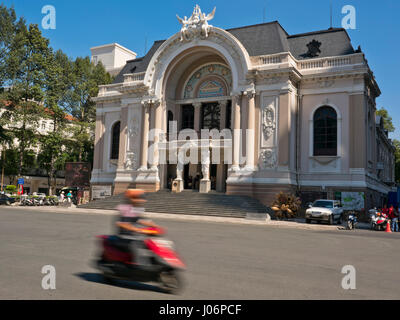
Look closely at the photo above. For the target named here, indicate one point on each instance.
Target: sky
(136, 24)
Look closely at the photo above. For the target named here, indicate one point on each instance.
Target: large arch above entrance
(219, 41)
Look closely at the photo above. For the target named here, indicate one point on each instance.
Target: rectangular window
(187, 117)
(210, 116)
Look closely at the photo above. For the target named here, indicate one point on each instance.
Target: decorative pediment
(212, 80)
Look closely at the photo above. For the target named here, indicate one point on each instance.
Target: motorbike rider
(385, 210)
(130, 223)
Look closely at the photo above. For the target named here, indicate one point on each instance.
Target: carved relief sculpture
(268, 159)
(131, 162)
(268, 118)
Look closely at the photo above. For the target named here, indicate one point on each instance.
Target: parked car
(329, 211)
(5, 199)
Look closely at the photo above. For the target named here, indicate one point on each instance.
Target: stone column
(222, 107)
(145, 136)
(98, 143)
(123, 138)
(205, 183)
(236, 132)
(157, 127)
(250, 132)
(197, 114)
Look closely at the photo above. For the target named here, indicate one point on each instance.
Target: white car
(330, 211)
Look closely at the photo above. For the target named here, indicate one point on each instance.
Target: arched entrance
(198, 97)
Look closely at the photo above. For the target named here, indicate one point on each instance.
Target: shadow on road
(98, 278)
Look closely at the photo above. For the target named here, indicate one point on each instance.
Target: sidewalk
(297, 223)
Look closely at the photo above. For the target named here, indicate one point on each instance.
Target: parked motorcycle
(27, 202)
(38, 202)
(379, 220)
(162, 263)
(351, 221)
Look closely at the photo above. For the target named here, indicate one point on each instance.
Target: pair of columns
(246, 101)
(147, 107)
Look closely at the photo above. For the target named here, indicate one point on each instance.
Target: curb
(180, 217)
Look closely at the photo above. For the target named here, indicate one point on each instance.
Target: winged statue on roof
(196, 25)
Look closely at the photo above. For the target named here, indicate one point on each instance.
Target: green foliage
(86, 79)
(26, 72)
(44, 84)
(9, 158)
(396, 144)
(11, 189)
(387, 120)
(8, 24)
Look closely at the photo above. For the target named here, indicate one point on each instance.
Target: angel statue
(196, 24)
(205, 27)
(185, 34)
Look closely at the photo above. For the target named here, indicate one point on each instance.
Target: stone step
(189, 202)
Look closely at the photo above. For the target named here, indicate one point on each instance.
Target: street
(225, 261)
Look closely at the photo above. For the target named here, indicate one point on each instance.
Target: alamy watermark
(49, 280)
(349, 20)
(207, 146)
(349, 280)
(49, 20)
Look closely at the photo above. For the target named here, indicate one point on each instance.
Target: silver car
(329, 211)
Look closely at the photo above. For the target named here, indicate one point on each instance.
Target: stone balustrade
(317, 63)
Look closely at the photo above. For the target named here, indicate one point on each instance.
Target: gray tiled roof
(259, 39)
(138, 64)
(264, 39)
(334, 42)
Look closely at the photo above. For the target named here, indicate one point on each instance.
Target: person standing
(69, 196)
(394, 217)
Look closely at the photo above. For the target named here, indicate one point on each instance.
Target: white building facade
(286, 113)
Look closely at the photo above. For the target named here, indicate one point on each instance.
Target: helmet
(135, 196)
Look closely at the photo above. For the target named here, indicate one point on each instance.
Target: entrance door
(187, 183)
(213, 176)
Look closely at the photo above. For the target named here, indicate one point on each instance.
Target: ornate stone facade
(265, 105)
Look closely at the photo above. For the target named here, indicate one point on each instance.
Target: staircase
(190, 202)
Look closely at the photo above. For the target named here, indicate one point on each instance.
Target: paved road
(225, 261)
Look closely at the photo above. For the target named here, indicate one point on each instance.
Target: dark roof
(259, 39)
(267, 38)
(334, 42)
(138, 64)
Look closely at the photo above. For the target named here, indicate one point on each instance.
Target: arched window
(325, 132)
(115, 140)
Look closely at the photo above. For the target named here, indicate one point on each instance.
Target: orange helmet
(135, 196)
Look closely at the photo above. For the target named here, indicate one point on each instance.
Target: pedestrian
(69, 196)
(385, 209)
(395, 219)
(62, 196)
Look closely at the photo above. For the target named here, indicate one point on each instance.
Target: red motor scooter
(159, 261)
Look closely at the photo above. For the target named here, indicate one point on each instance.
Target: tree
(387, 120)
(86, 79)
(396, 144)
(26, 70)
(8, 25)
(56, 85)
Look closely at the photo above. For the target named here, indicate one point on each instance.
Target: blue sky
(87, 23)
